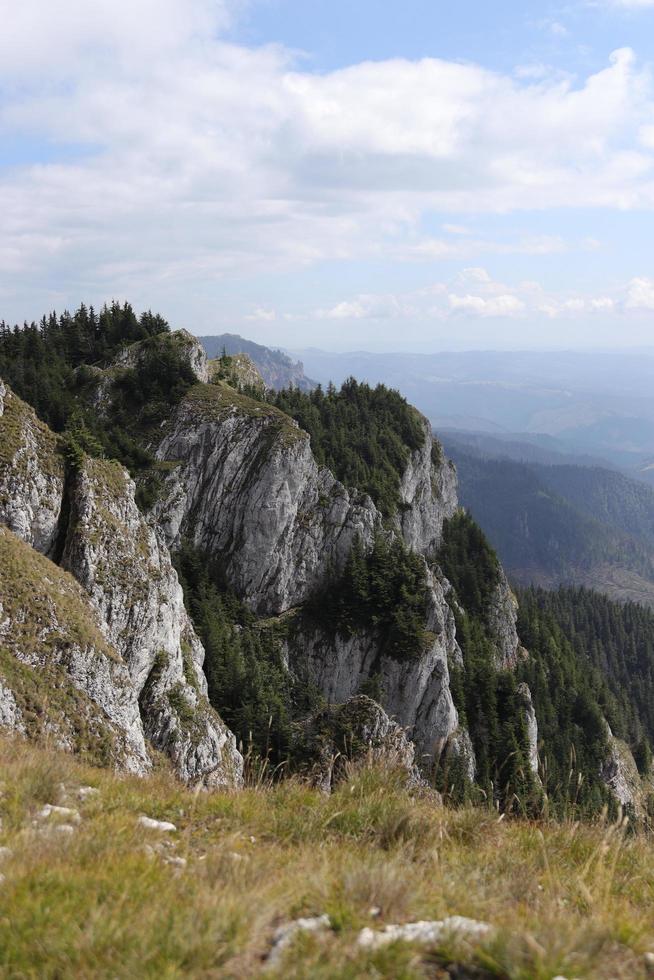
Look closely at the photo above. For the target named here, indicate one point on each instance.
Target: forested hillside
(605, 495)
(610, 646)
(363, 435)
(39, 360)
(556, 525)
(486, 694)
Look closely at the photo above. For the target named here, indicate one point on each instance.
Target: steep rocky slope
(248, 491)
(415, 691)
(245, 489)
(127, 572)
(91, 520)
(60, 679)
(31, 474)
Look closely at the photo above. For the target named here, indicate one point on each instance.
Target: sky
(344, 174)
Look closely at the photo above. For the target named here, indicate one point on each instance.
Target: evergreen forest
(363, 435)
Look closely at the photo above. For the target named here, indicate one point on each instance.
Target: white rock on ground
(427, 933)
(85, 792)
(284, 935)
(150, 824)
(50, 810)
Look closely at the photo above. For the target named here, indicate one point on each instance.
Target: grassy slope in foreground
(566, 899)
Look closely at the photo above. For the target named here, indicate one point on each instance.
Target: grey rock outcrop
(620, 773)
(31, 474)
(11, 717)
(128, 575)
(414, 691)
(531, 724)
(357, 730)
(185, 345)
(502, 618)
(239, 371)
(428, 491)
(460, 755)
(248, 490)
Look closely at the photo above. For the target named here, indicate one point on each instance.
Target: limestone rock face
(415, 692)
(31, 474)
(58, 674)
(248, 490)
(621, 775)
(460, 751)
(429, 494)
(192, 352)
(11, 717)
(239, 371)
(126, 570)
(186, 346)
(502, 619)
(359, 729)
(531, 725)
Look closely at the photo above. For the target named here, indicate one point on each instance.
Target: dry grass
(566, 899)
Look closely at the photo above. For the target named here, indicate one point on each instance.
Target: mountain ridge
(303, 590)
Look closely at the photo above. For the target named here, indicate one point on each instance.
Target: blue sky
(574, 36)
(417, 175)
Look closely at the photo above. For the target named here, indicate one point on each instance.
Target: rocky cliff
(31, 474)
(247, 490)
(132, 594)
(232, 482)
(357, 731)
(502, 618)
(127, 572)
(414, 691)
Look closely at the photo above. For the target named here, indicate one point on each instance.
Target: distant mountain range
(598, 404)
(277, 369)
(555, 523)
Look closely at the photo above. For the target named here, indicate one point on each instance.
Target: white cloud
(456, 229)
(367, 307)
(63, 39)
(602, 304)
(632, 4)
(504, 305)
(554, 27)
(463, 248)
(205, 159)
(640, 294)
(261, 314)
(473, 293)
(474, 274)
